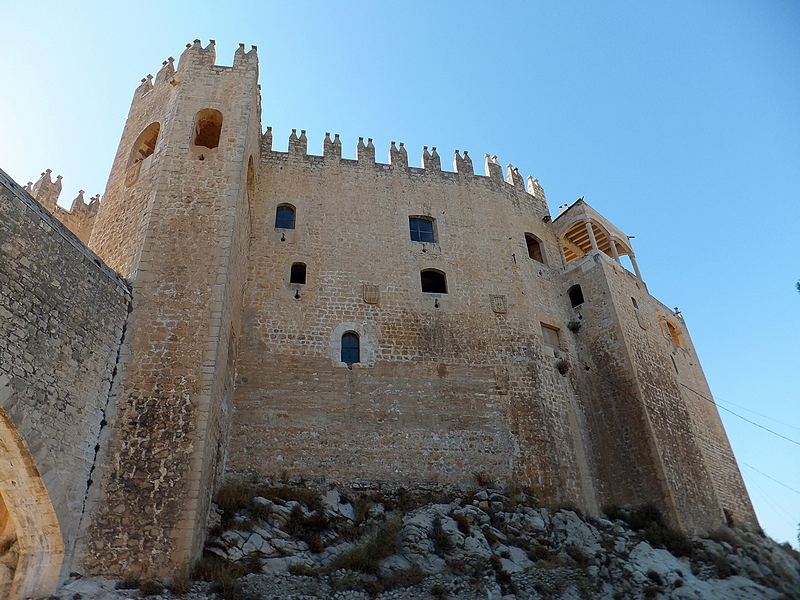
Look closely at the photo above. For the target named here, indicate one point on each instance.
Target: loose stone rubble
(294, 544)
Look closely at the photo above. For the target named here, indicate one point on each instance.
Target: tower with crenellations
(350, 320)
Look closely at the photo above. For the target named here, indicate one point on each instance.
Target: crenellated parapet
(463, 164)
(196, 59)
(45, 190)
(79, 219)
(430, 160)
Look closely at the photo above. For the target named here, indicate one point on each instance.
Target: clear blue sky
(679, 121)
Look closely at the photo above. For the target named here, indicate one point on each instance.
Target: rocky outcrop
(292, 543)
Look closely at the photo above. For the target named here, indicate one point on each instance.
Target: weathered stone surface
(62, 314)
(498, 341)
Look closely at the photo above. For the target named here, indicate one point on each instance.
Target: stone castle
(231, 311)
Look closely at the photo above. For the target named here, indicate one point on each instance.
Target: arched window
(534, 248)
(433, 281)
(207, 128)
(674, 334)
(143, 147)
(298, 273)
(575, 295)
(351, 351)
(284, 217)
(421, 229)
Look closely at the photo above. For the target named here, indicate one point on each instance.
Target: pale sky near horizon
(679, 122)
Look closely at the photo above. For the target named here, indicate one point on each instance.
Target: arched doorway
(30, 538)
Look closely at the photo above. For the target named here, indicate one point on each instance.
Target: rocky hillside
(295, 542)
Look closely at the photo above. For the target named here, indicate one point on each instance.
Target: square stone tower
(174, 222)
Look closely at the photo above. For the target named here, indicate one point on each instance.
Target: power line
(776, 508)
(740, 416)
(718, 399)
(735, 461)
(769, 477)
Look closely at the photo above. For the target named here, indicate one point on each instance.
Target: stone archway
(29, 533)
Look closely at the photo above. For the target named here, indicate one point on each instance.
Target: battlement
(79, 218)
(430, 161)
(194, 59)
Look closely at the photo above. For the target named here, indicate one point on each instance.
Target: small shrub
(438, 591)
(490, 535)
(613, 512)
(722, 567)
(302, 569)
(578, 555)
(234, 496)
(347, 581)
(406, 501)
(655, 577)
(222, 574)
(724, 534)
(366, 558)
(404, 578)
(539, 552)
(459, 567)
(729, 520)
(180, 584)
(150, 587)
(260, 511)
(373, 588)
(502, 576)
(562, 366)
(361, 508)
(787, 547)
(6, 544)
(643, 516)
(252, 564)
(462, 521)
(128, 583)
(285, 493)
(442, 544)
(574, 326)
(483, 479)
(651, 591)
(296, 523)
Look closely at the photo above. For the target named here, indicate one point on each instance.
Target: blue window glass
(284, 217)
(421, 229)
(351, 351)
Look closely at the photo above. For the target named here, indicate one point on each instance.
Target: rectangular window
(421, 229)
(550, 336)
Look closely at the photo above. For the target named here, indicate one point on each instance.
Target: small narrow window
(284, 217)
(575, 295)
(534, 248)
(635, 303)
(433, 282)
(298, 273)
(421, 229)
(351, 350)
(674, 334)
(550, 335)
(207, 128)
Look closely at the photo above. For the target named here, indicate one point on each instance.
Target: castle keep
(258, 312)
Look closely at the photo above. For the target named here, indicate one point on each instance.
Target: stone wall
(449, 385)
(62, 314)
(175, 222)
